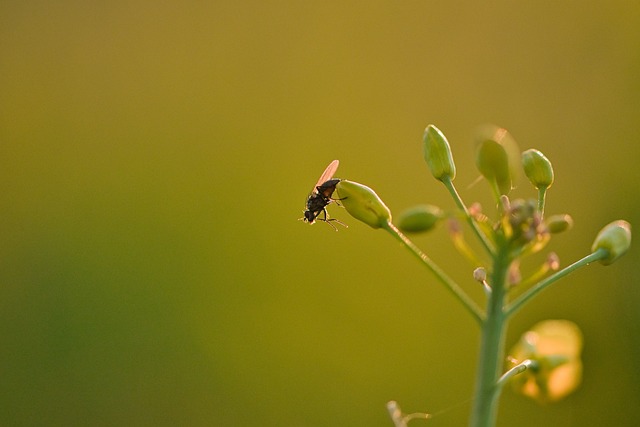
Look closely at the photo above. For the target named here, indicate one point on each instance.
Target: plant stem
(542, 192)
(441, 275)
(456, 197)
(519, 302)
(490, 362)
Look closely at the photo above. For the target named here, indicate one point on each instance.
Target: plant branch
(542, 192)
(519, 302)
(449, 283)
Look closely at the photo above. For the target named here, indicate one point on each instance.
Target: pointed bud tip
(437, 154)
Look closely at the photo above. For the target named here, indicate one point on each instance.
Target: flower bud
(437, 154)
(363, 203)
(420, 218)
(498, 158)
(553, 261)
(522, 222)
(537, 168)
(559, 223)
(480, 274)
(615, 238)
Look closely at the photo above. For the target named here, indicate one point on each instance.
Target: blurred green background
(155, 157)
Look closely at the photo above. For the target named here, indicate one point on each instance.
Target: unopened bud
(553, 261)
(615, 238)
(437, 154)
(480, 274)
(420, 218)
(537, 168)
(498, 158)
(475, 209)
(559, 223)
(395, 413)
(514, 275)
(363, 203)
(505, 203)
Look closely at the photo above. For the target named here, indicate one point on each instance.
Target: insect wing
(327, 174)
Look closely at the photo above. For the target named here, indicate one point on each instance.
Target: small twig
(518, 369)
(449, 283)
(519, 302)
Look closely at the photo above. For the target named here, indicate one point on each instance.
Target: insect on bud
(420, 218)
(363, 203)
(615, 238)
(537, 168)
(437, 154)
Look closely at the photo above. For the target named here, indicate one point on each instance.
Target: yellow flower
(554, 346)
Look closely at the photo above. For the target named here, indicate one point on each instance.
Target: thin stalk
(519, 302)
(456, 197)
(518, 369)
(490, 363)
(449, 283)
(542, 192)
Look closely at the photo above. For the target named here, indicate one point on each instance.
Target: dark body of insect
(319, 199)
(321, 196)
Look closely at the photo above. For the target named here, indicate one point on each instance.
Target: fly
(320, 197)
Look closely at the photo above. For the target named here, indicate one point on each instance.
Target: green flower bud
(615, 238)
(363, 203)
(559, 223)
(437, 154)
(498, 158)
(537, 168)
(420, 218)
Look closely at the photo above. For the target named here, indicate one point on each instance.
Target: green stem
(519, 302)
(542, 192)
(490, 363)
(440, 275)
(456, 197)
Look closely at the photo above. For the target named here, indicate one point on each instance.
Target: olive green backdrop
(155, 157)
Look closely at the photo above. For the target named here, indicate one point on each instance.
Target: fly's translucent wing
(327, 174)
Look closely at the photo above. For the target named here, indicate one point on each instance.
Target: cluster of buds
(522, 224)
(500, 162)
(547, 363)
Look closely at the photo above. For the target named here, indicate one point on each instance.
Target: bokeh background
(155, 157)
